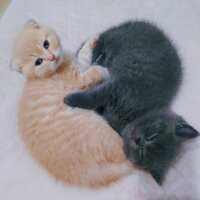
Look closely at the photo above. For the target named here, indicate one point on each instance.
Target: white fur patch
(84, 56)
(103, 70)
(53, 66)
(37, 68)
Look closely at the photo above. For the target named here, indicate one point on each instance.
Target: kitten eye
(38, 61)
(46, 44)
(152, 137)
(99, 57)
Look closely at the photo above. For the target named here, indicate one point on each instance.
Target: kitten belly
(69, 141)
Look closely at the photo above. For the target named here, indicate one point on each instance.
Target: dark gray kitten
(145, 74)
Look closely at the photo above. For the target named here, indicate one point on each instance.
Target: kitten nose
(53, 58)
(139, 141)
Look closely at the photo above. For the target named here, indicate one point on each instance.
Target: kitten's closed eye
(46, 44)
(152, 137)
(98, 58)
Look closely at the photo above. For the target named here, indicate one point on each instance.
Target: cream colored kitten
(75, 145)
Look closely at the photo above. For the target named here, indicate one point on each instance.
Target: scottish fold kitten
(75, 145)
(145, 75)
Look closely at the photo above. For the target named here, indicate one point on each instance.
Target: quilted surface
(75, 21)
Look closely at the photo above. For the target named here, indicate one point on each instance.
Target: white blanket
(76, 20)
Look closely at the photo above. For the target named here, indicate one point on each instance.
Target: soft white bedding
(76, 20)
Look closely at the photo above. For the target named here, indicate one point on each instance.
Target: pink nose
(53, 58)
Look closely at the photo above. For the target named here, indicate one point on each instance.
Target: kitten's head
(152, 142)
(37, 51)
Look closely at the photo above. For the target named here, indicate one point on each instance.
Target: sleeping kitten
(153, 141)
(75, 145)
(145, 74)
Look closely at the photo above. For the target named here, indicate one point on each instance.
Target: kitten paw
(77, 100)
(70, 100)
(103, 71)
(84, 55)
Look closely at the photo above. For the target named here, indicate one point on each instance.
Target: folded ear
(184, 130)
(32, 24)
(15, 65)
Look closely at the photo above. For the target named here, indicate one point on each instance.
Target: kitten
(145, 74)
(74, 145)
(153, 141)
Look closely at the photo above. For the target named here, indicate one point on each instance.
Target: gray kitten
(145, 75)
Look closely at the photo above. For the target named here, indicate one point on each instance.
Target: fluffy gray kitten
(145, 75)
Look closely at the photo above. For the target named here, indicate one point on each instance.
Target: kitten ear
(15, 65)
(32, 24)
(158, 174)
(184, 130)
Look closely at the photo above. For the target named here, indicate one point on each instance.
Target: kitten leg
(84, 55)
(94, 75)
(90, 99)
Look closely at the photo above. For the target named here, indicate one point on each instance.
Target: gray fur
(145, 74)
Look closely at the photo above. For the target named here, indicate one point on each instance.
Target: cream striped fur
(74, 145)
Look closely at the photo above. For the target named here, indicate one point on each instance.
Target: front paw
(79, 100)
(71, 100)
(76, 100)
(84, 55)
(103, 71)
